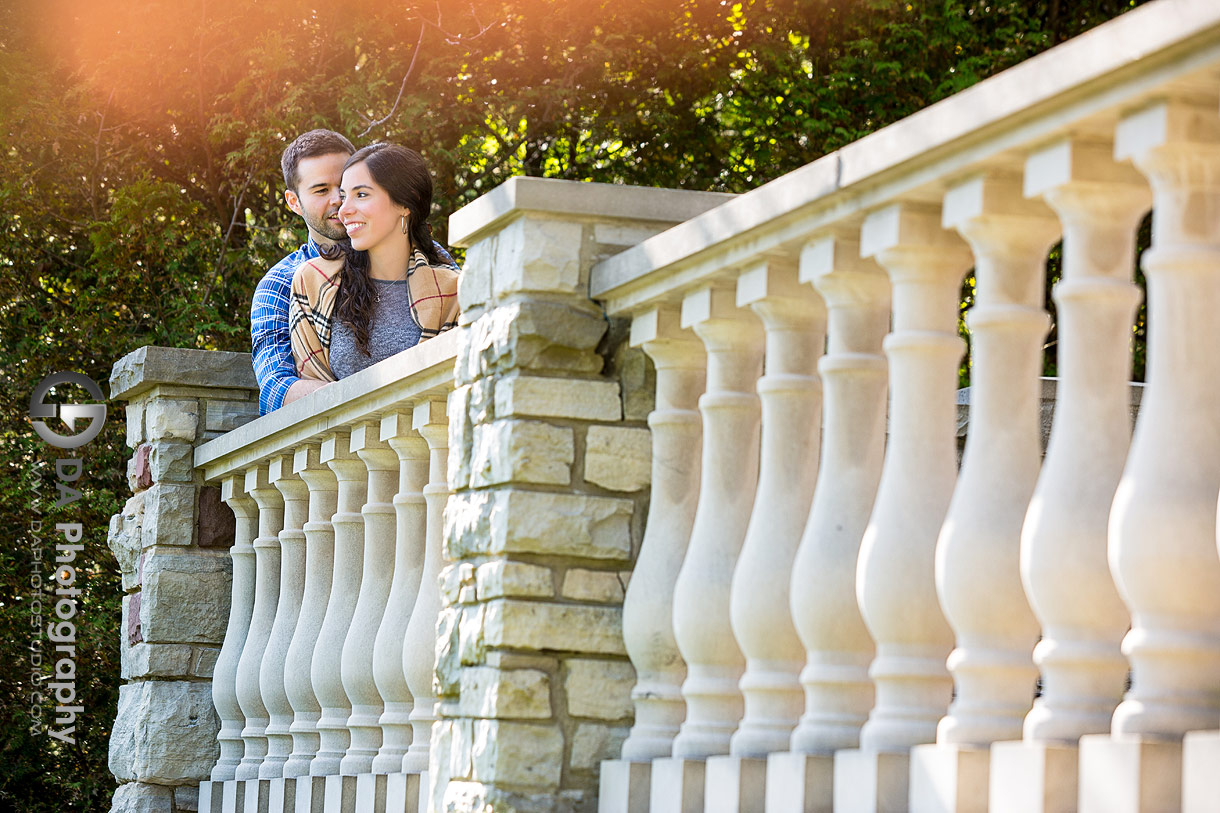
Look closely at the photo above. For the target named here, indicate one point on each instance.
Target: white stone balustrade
(419, 643)
(838, 692)
(648, 608)
(1063, 544)
(224, 680)
(731, 418)
(250, 692)
(978, 575)
(273, 673)
(1162, 544)
(377, 574)
(326, 669)
(794, 320)
(319, 570)
(410, 529)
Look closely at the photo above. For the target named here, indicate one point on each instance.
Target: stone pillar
(1063, 543)
(549, 473)
(895, 583)
(838, 692)
(648, 629)
(1162, 545)
(172, 542)
(978, 574)
(794, 319)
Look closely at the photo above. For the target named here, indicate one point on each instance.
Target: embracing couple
(368, 283)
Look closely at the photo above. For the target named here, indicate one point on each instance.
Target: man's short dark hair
(309, 145)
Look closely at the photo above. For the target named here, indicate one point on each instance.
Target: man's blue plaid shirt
(273, 365)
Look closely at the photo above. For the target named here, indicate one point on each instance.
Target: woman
(383, 289)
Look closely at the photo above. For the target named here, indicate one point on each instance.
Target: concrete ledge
(422, 371)
(568, 198)
(143, 369)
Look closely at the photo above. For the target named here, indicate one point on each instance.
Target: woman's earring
(404, 225)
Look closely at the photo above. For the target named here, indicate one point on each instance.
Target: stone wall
(549, 467)
(171, 541)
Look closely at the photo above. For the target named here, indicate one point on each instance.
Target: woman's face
(368, 213)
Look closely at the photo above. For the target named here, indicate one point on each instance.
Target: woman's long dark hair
(403, 174)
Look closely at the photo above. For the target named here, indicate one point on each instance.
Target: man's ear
(294, 203)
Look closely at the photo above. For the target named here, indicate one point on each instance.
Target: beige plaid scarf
(315, 289)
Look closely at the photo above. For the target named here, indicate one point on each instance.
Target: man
(312, 167)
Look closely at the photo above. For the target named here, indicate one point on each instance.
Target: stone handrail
(841, 619)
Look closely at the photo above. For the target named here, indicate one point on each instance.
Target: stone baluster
(648, 633)
(272, 673)
(325, 669)
(895, 582)
(410, 531)
(224, 678)
(978, 575)
(794, 319)
(266, 595)
(731, 415)
(1063, 543)
(419, 644)
(1162, 544)
(381, 464)
(838, 692)
(319, 564)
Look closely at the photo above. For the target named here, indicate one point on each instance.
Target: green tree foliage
(141, 197)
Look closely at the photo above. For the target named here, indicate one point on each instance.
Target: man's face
(316, 197)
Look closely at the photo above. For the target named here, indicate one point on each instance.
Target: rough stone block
(512, 521)
(139, 470)
(135, 425)
(186, 798)
(594, 743)
(599, 689)
(170, 461)
(474, 284)
(522, 451)
(225, 416)
(203, 661)
(165, 732)
(126, 539)
(539, 626)
(169, 514)
(461, 435)
(505, 694)
(145, 660)
(448, 674)
(472, 644)
(186, 598)
(618, 457)
(142, 369)
(131, 618)
(171, 419)
(594, 585)
(504, 579)
(139, 797)
(522, 754)
(638, 380)
(454, 579)
(532, 335)
(216, 526)
(534, 396)
(534, 254)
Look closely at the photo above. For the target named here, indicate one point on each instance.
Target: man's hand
(302, 388)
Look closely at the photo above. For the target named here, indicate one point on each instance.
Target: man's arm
(272, 347)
